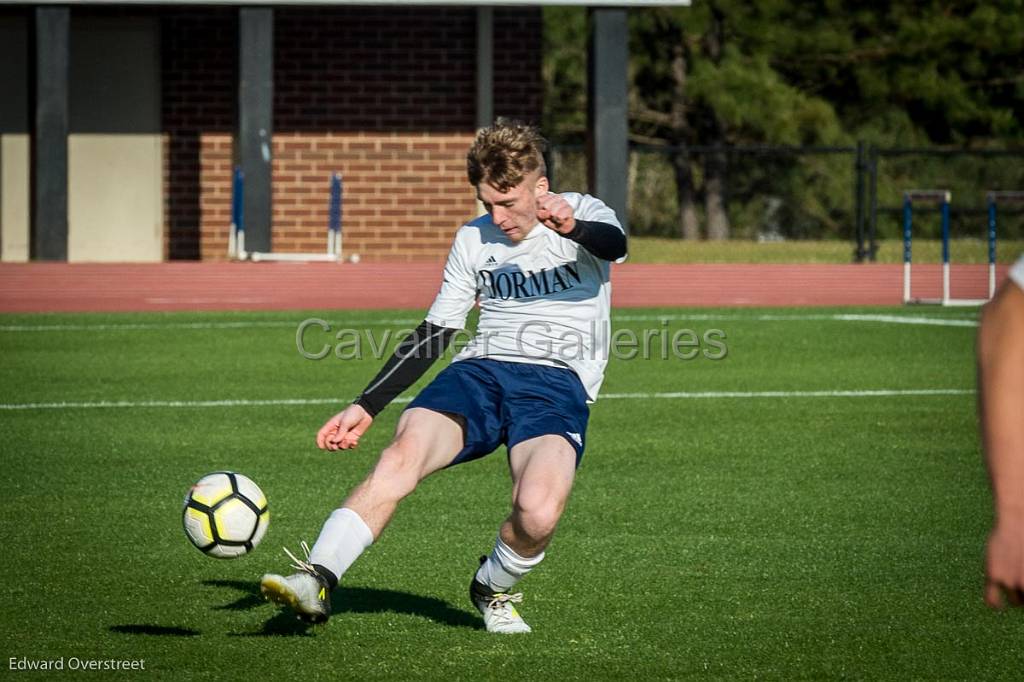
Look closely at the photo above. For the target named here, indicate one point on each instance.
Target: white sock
(342, 539)
(504, 568)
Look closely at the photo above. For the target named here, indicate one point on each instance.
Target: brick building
(121, 123)
(386, 96)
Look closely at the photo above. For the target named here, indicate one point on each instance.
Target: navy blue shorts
(507, 403)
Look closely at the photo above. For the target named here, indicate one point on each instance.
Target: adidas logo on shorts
(576, 438)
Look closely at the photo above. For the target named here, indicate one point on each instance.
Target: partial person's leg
(425, 441)
(543, 470)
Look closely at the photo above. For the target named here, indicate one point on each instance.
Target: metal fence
(774, 193)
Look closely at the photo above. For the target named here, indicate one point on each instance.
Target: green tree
(565, 73)
(917, 72)
(697, 80)
(823, 72)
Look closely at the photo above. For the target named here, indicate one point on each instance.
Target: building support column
(49, 239)
(607, 109)
(484, 66)
(254, 140)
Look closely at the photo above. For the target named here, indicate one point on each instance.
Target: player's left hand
(555, 212)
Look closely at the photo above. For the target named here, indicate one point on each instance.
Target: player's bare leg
(425, 441)
(543, 470)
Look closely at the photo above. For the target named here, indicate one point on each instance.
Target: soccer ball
(225, 514)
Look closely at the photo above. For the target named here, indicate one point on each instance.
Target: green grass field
(659, 250)
(757, 523)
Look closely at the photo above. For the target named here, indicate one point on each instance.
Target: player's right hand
(1004, 565)
(342, 431)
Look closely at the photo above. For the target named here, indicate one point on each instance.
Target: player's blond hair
(504, 153)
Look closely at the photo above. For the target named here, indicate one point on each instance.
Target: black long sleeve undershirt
(413, 356)
(605, 241)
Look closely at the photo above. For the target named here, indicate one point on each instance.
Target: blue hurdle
(943, 197)
(334, 218)
(992, 197)
(236, 239)
(236, 235)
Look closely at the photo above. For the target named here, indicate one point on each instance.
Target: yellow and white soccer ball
(225, 514)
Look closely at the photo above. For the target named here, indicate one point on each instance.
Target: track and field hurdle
(333, 251)
(992, 199)
(236, 233)
(942, 197)
(236, 239)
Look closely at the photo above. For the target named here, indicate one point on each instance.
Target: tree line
(725, 73)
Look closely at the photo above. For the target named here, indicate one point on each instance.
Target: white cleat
(307, 593)
(498, 611)
(303, 593)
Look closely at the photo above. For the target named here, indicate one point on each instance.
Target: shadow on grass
(369, 600)
(283, 624)
(346, 600)
(158, 630)
(249, 599)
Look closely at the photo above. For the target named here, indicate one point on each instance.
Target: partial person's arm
(1001, 410)
(413, 356)
(607, 242)
(411, 359)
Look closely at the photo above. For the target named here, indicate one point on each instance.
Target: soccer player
(538, 265)
(1001, 406)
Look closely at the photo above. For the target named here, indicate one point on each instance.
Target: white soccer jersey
(1017, 272)
(545, 300)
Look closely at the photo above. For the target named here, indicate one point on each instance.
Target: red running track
(63, 287)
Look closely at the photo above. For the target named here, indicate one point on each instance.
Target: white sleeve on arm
(458, 288)
(1017, 272)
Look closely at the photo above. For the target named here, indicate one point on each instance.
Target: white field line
(157, 326)
(898, 319)
(842, 317)
(693, 395)
(697, 317)
(868, 393)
